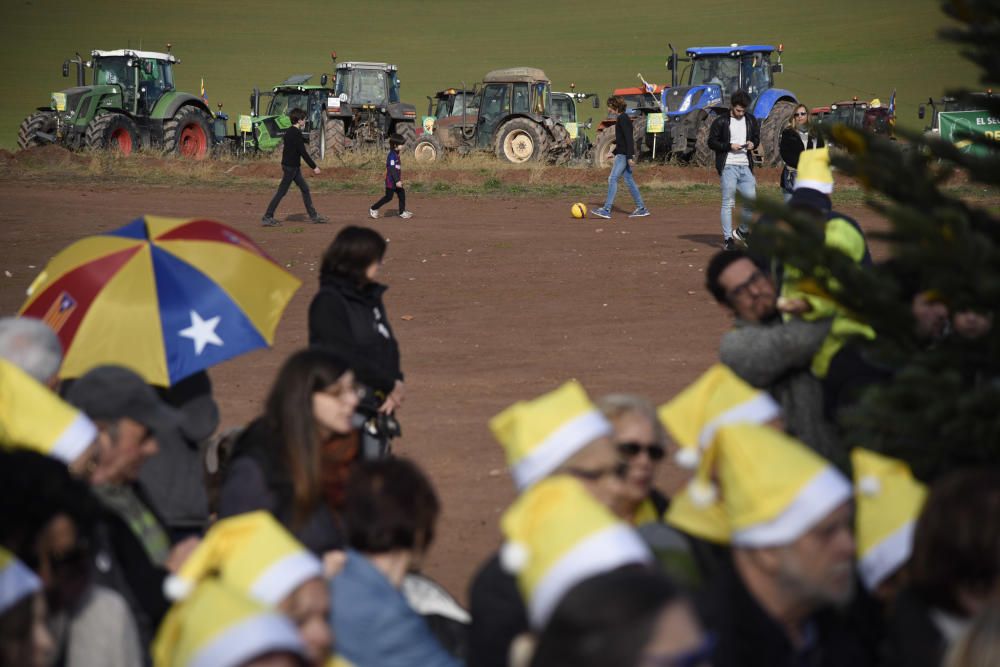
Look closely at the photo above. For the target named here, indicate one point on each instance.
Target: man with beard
(768, 353)
(792, 552)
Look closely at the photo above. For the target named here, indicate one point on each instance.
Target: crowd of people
(135, 534)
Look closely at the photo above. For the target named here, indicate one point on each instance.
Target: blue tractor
(713, 74)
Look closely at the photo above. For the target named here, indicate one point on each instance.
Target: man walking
(624, 161)
(732, 138)
(291, 164)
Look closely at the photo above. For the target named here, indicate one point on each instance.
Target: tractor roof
(359, 64)
(519, 74)
(152, 55)
(732, 49)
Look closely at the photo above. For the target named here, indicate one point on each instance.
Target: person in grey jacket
(771, 354)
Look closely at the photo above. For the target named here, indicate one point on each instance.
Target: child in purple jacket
(393, 180)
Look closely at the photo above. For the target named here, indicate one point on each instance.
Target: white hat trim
(605, 550)
(816, 499)
(758, 410)
(887, 556)
(259, 634)
(561, 444)
(74, 439)
(826, 187)
(281, 578)
(16, 583)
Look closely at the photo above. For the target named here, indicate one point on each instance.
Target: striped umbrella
(165, 297)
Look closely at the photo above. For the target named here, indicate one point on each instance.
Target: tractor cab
(143, 77)
(513, 92)
(716, 72)
(363, 83)
(451, 102)
(295, 92)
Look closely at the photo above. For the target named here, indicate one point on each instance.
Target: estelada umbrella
(165, 297)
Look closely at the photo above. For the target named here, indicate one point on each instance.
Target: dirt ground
(493, 300)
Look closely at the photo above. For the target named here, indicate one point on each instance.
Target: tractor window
(368, 87)
(283, 102)
(393, 88)
(756, 73)
(563, 108)
(519, 103)
(540, 100)
(111, 71)
(495, 100)
(720, 70)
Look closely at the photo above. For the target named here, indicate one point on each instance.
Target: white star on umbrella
(202, 332)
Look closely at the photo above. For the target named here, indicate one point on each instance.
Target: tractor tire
(427, 149)
(770, 132)
(560, 146)
(603, 149)
(409, 134)
(316, 146)
(703, 155)
(520, 140)
(112, 132)
(334, 136)
(40, 121)
(189, 133)
(639, 137)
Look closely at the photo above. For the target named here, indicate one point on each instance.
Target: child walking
(393, 180)
(624, 161)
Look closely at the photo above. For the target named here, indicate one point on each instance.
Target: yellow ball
(579, 210)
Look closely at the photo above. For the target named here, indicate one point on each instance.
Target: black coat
(498, 615)
(352, 323)
(912, 638)
(790, 146)
(749, 637)
(624, 139)
(294, 150)
(718, 138)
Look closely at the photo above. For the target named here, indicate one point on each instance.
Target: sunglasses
(630, 450)
(618, 470)
(744, 287)
(801, 113)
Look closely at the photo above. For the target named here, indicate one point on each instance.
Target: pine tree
(941, 409)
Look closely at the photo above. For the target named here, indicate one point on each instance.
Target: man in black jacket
(291, 164)
(624, 161)
(733, 137)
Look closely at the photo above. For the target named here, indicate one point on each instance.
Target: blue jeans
(618, 169)
(736, 177)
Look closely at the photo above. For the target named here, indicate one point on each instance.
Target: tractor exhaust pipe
(255, 102)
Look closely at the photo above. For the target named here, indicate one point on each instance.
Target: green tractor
(511, 116)
(266, 132)
(130, 104)
(564, 111)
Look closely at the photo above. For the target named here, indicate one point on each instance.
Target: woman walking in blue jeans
(624, 161)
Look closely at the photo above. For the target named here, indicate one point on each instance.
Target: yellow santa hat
(814, 171)
(33, 417)
(219, 627)
(540, 435)
(888, 501)
(16, 581)
(717, 398)
(251, 553)
(706, 521)
(774, 488)
(557, 534)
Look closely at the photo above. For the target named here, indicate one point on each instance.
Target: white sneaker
(373, 214)
(406, 215)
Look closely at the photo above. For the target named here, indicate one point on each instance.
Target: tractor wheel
(188, 133)
(113, 132)
(639, 136)
(427, 149)
(560, 147)
(409, 134)
(40, 121)
(334, 136)
(604, 148)
(770, 132)
(316, 146)
(520, 140)
(703, 155)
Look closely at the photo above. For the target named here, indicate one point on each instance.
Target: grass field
(833, 50)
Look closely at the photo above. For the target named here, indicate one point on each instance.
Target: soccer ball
(578, 210)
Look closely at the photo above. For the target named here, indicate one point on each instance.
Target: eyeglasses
(801, 113)
(618, 470)
(630, 450)
(740, 290)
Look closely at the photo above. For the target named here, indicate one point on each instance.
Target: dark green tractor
(130, 103)
(267, 130)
